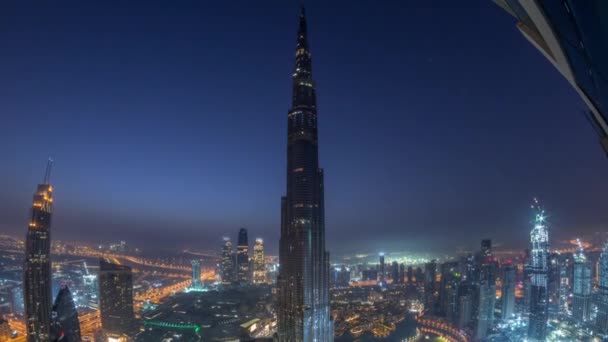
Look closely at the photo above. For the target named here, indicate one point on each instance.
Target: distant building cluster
(237, 267)
(526, 292)
(538, 295)
(490, 297)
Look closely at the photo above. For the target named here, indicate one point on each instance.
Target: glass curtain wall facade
(37, 265)
(303, 304)
(572, 35)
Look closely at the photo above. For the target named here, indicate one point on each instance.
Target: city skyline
(425, 132)
(462, 298)
(154, 183)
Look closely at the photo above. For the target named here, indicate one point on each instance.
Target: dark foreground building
(303, 308)
(37, 266)
(116, 298)
(242, 257)
(572, 35)
(65, 326)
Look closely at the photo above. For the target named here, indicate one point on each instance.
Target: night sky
(167, 121)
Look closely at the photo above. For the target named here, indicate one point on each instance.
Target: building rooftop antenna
(47, 173)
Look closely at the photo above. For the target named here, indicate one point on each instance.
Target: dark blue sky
(167, 121)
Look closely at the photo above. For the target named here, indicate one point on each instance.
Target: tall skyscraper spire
(303, 56)
(539, 266)
(303, 308)
(37, 265)
(47, 172)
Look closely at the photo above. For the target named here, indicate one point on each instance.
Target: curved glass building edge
(574, 38)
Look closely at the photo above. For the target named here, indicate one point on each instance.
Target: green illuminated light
(195, 327)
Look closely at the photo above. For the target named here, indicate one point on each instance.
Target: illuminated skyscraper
(91, 287)
(341, 276)
(303, 305)
(242, 257)
(259, 265)
(382, 270)
(581, 290)
(564, 286)
(487, 290)
(469, 268)
(527, 282)
(116, 298)
(227, 262)
(37, 266)
(539, 237)
(553, 282)
(508, 292)
(196, 275)
(602, 296)
(66, 326)
(448, 290)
